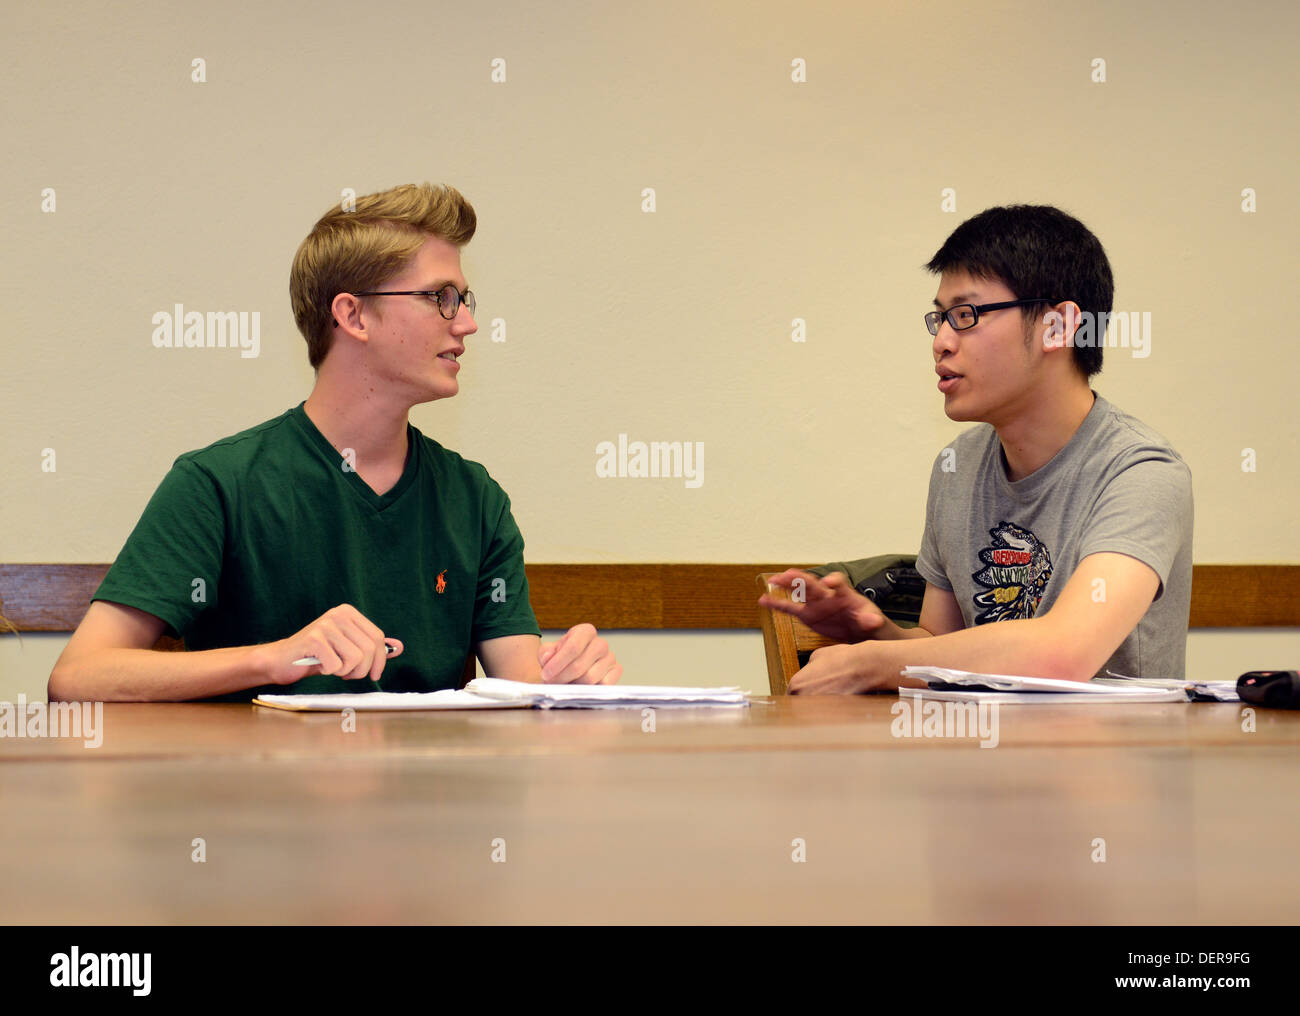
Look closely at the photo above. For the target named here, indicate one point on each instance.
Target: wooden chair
(787, 641)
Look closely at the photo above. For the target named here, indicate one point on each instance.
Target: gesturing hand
(830, 606)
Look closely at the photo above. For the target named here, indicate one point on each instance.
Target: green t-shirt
(250, 539)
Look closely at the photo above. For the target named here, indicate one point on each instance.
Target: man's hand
(834, 670)
(580, 657)
(343, 639)
(830, 607)
(851, 670)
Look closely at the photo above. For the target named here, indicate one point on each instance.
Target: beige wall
(775, 200)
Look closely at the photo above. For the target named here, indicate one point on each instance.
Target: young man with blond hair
(1058, 535)
(337, 528)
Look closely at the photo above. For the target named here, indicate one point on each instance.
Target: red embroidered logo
(441, 586)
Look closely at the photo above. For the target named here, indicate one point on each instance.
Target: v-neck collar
(378, 502)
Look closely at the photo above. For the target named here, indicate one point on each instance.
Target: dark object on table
(1276, 689)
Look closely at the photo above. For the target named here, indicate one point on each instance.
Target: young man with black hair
(1063, 519)
(336, 529)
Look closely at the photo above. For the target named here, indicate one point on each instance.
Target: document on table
(1197, 691)
(1004, 689)
(604, 696)
(377, 701)
(494, 693)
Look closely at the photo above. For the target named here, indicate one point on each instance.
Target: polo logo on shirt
(441, 585)
(1017, 568)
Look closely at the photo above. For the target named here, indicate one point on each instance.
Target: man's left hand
(580, 657)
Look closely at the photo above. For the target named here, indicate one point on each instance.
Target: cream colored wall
(775, 200)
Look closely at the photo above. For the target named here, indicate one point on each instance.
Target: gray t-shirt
(1006, 550)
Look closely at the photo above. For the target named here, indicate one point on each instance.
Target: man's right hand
(830, 606)
(343, 639)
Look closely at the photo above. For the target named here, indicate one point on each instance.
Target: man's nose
(464, 322)
(945, 340)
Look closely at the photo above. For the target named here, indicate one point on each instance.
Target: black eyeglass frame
(934, 318)
(467, 298)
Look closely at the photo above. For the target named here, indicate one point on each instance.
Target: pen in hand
(308, 661)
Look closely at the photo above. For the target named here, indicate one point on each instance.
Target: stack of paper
(602, 696)
(493, 693)
(1197, 691)
(964, 686)
(385, 700)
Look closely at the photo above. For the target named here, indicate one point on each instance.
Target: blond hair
(352, 251)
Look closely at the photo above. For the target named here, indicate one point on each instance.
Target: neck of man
(1033, 434)
(354, 410)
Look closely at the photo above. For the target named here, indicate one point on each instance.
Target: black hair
(1036, 251)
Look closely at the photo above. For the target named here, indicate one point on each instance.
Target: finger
(335, 650)
(783, 579)
(810, 589)
(786, 578)
(359, 627)
(583, 669)
(827, 588)
(382, 658)
(356, 648)
(780, 603)
(613, 674)
(545, 652)
(367, 637)
(553, 660)
(330, 661)
(804, 679)
(575, 641)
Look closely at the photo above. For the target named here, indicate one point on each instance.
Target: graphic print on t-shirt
(1016, 570)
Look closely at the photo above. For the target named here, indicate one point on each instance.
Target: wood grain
(700, 821)
(54, 597)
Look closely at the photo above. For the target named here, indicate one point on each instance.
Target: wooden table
(601, 821)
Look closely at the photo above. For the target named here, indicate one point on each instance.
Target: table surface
(587, 816)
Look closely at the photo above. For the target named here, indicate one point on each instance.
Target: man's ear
(1060, 322)
(346, 312)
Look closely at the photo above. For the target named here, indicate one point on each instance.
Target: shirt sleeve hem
(1138, 553)
(936, 578)
(495, 633)
(157, 608)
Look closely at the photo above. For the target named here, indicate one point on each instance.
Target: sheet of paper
(494, 693)
(605, 696)
(386, 700)
(943, 676)
(1204, 691)
(1043, 698)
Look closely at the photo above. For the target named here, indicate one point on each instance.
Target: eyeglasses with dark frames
(967, 315)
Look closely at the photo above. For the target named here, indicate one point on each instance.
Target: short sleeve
(1144, 511)
(501, 604)
(929, 562)
(171, 564)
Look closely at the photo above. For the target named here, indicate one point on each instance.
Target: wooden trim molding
(54, 597)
